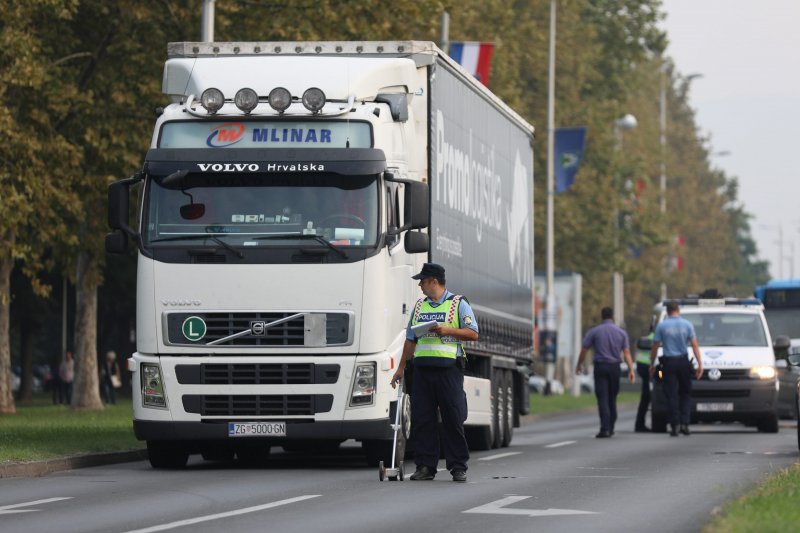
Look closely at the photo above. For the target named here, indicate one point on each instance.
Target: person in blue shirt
(676, 334)
(438, 375)
(608, 341)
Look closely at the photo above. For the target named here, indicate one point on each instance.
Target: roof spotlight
(246, 99)
(314, 99)
(212, 99)
(279, 99)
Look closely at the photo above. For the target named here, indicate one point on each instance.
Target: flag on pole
(569, 145)
(475, 57)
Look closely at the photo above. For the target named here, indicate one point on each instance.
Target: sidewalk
(42, 468)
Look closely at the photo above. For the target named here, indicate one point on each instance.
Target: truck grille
(308, 329)
(257, 405)
(257, 374)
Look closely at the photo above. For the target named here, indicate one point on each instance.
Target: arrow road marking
(498, 507)
(560, 444)
(179, 523)
(498, 456)
(11, 509)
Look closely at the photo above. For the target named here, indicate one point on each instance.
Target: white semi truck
(290, 191)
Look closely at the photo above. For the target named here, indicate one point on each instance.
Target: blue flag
(569, 144)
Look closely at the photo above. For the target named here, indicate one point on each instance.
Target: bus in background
(781, 299)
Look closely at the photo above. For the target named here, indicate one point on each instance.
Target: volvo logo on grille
(257, 328)
(714, 374)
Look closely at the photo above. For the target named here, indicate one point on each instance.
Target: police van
(739, 381)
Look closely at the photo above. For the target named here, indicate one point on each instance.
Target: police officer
(608, 341)
(643, 371)
(438, 375)
(676, 333)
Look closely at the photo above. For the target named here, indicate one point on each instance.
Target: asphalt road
(554, 475)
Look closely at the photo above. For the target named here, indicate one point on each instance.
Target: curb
(42, 468)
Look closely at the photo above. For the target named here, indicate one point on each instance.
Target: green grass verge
(46, 431)
(542, 405)
(771, 506)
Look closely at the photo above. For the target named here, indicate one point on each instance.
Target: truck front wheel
(166, 454)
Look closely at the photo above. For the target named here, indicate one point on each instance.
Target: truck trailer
(290, 191)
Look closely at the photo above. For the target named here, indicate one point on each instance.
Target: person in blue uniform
(676, 334)
(608, 341)
(437, 383)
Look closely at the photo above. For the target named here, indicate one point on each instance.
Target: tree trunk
(25, 394)
(6, 265)
(86, 387)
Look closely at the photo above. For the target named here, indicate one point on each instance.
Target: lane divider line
(498, 456)
(560, 444)
(11, 509)
(179, 523)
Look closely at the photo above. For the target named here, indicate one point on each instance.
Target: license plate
(256, 429)
(715, 407)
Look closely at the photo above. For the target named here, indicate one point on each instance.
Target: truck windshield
(243, 209)
(727, 329)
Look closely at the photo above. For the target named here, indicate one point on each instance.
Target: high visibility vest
(643, 356)
(446, 314)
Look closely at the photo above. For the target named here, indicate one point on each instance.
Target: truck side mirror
(416, 242)
(116, 242)
(416, 212)
(794, 359)
(645, 343)
(118, 205)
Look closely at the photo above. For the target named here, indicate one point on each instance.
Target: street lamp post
(627, 122)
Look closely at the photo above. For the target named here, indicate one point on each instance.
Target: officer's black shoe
(673, 431)
(685, 430)
(424, 473)
(643, 429)
(459, 476)
(603, 435)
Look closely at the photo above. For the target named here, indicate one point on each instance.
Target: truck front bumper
(295, 430)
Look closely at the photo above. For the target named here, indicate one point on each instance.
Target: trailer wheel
(498, 408)
(166, 454)
(508, 411)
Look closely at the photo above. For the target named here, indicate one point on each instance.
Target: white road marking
(498, 507)
(7, 509)
(498, 456)
(217, 516)
(560, 444)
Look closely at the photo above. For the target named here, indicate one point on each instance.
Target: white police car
(739, 381)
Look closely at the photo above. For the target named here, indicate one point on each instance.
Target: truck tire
(166, 455)
(768, 424)
(480, 438)
(659, 423)
(508, 409)
(498, 407)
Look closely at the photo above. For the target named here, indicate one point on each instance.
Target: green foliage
(80, 80)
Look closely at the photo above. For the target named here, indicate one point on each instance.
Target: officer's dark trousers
(441, 388)
(677, 388)
(606, 388)
(643, 371)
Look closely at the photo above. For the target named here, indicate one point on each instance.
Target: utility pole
(444, 38)
(550, 299)
(207, 23)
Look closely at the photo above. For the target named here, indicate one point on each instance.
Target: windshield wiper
(214, 238)
(317, 238)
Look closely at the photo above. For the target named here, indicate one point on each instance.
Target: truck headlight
(152, 386)
(246, 99)
(762, 372)
(212, 100)
(314, 99)
(363, 392)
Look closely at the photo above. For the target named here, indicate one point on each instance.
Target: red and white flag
(475, 57)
